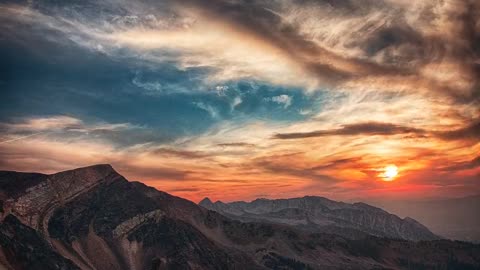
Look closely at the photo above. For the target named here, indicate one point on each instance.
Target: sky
(242, 99)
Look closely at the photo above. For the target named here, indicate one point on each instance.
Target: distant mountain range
(454, 218)
(93, 218)
(318, 214)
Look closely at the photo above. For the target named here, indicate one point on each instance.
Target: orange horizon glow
(252, 172)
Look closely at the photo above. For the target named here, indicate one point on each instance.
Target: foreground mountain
(454, 218)
(324, 215)
(93, 218)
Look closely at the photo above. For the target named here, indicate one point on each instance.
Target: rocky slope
(324, 215)
(93, 218)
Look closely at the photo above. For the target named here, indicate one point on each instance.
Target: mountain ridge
(322, 213)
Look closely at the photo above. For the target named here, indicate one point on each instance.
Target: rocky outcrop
(321, 214)
(130, 224)
(32, 205)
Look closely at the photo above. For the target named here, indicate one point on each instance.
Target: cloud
(469, 132)
(284, 100)
(151, 87)
(59, 123)
(213, 112)
(236, 101)
(75, 129)
(305, 112)
(369, 128)
(236, 144)
(270, 164)
(179, 153)
(391, 39)
(466, 165)
(221, 89)
(184, 189)
(44, 124)
(343, 162)
(426, 47)
(20, 138)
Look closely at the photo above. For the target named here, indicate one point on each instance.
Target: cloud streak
(370, 128)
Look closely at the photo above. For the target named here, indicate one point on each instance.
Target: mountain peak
(89, 174)
(258, 200)
(205, 202)
(98, 168)
(46, 190)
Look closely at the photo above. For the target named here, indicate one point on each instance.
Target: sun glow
(389, 173)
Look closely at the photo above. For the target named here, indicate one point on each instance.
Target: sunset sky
(239, 99)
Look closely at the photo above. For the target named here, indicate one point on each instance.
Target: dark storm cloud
(369, 128)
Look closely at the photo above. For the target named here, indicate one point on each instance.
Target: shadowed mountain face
(93, 218)
(319, 214)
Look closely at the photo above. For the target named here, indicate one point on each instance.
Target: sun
(389, 173)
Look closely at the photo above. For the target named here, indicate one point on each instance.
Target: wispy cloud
(389, 45)
(44, 124)
(213, 112)
(20, 138)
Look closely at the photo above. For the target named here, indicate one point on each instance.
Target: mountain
(96, 219)
(321, 214)
(93, 218)
(452, 218)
